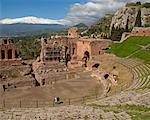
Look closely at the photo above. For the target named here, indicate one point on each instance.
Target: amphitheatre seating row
(142, 99)
(141, 73)
(138, 93)
(140, 96)
(128, 62)
(140, 83)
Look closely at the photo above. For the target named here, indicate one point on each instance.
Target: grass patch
(130, 46)
(122, 107)
(139, 116)
(136, 107)
(143, 55)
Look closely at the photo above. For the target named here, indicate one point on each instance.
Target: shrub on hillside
(132, 4)
(146, 5)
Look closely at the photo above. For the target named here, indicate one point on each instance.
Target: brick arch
(87, 54)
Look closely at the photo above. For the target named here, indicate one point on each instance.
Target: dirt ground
(79, 87)
(83, 85)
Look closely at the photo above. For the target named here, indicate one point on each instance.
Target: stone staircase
(140, 72)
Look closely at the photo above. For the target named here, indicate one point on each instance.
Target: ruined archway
(2, 54)
(85, 58)
(10, 54)
(87, 55)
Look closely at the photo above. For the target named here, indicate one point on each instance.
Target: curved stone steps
(140, 71)
(143, 83)
(128, 62)
(137, 93)
(146, 68)
(143, 69)
(140, 83)
(147, 82)
(125, 97)
(135, 74)
(135, 84)
(142, 100)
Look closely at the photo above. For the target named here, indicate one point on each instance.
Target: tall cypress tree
(138, 22)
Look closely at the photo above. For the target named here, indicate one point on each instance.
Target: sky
(59, 11)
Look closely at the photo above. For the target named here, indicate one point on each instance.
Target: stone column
(6, 54)
(13, 53)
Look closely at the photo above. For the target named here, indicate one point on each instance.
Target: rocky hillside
(100, 26)
(81, 27)
(133, 14)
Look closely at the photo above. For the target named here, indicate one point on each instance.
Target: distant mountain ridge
(24, 29)
(32, 20)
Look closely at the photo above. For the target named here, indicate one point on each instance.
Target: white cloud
(86, 12)
(91, 11)
(94, 9)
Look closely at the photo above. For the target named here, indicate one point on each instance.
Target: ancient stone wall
(57, 49)
(92, 46)
(8, 52)
(82, 47)
(99, 47)
(137, 31)
(73, 32)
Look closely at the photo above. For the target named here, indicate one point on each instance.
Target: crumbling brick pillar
(13, 54)
(6, 54)
(89, 65)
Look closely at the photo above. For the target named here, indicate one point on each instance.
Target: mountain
(132, 15)
(101, 26)
(81, 27)
(23, 29)
(32, 20)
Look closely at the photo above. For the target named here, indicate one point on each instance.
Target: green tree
(138, 22)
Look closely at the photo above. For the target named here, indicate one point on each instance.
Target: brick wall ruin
(136, 31)
(8, 53)
(92, 46)
(62, 49)
(7, 49)
(57, 49)
(73, 32)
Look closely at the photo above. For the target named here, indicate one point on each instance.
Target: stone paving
(62, 113)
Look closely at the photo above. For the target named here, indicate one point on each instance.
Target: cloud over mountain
(32, 20)
(91, 11)
(94, 9)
